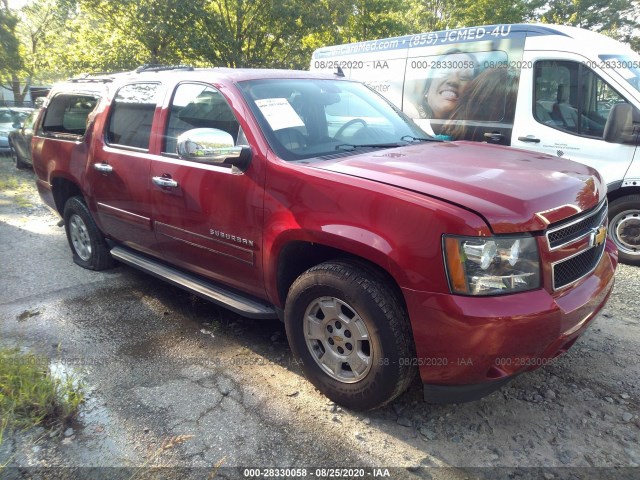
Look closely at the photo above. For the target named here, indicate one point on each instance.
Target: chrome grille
(576, 267)
(582, 263)
(572, 230)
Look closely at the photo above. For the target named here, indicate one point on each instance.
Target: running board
(243, 305)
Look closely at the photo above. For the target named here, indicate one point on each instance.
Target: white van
(552, 89)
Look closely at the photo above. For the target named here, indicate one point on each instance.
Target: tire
(359, 348)
(87, 243)
(624, 228)
(19, 163)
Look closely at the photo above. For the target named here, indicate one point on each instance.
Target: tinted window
(571, 97)
(67, 114)
(199, 106)
(435, 86)
(11, 117)
(132, 115)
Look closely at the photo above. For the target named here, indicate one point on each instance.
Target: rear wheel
(624, 228)
(349, 330)
(18, 162)
(87, 243)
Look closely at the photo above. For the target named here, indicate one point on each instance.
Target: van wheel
(85, 239)
(350, 333)
(624, 228)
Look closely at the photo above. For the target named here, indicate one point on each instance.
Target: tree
(433, 15)
(257, 33)
(487, 12)
(157, 29)
(10, 58)
(370, 19)
(607, 16)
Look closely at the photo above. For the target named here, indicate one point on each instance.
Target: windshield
(9, 117)
(306, 118)
(626, 66)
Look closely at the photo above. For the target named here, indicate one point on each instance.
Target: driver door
(567, 111)
(208, 218)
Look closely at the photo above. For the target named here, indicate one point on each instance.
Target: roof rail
(155, 67)
(92, 78)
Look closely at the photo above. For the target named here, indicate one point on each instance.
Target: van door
(562, 110)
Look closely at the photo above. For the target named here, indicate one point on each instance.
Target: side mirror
(619, 126)
(212, 146)
(16, 125)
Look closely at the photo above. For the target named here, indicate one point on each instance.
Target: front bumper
(469, 346)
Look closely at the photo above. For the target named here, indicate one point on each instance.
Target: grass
(30, 395)
(19, 190)
(9, 184)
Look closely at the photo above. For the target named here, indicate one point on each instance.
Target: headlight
(491, 265)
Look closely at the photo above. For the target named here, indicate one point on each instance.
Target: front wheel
(85, 239)
(624, 228)
(350, 332)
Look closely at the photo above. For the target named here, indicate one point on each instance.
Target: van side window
(67, 114)
(132, 115)
(199, 106)
(571, 97)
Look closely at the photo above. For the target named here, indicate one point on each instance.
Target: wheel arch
(297, 256)
(63, 189)
(622, 192)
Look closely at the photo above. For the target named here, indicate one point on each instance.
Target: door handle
(164, 182)
(529, 139)
(103, 167)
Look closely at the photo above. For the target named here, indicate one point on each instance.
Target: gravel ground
(577, 417)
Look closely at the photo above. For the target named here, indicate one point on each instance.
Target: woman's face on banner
(448, 83)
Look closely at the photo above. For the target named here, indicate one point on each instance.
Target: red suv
(311, 198)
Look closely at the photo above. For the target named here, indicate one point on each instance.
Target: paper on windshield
(279, 113)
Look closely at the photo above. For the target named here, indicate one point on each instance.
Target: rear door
(119, 167)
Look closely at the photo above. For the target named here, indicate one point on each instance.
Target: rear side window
(131, 115)
(67, 114)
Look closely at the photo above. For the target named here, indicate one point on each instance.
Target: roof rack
(155, 67)
(92, 78)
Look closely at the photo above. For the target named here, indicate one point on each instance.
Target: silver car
(10, 119)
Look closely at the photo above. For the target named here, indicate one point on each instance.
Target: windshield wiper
(350, 146)
(411, 138)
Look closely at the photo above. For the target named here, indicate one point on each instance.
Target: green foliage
(257, 33)
(371, 19)
(10, 58)
(484, 12)
(598, 15)
(154, 28)
(433, 15)
(29, 395)
(53, 39)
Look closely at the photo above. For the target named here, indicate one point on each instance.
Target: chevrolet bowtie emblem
(598, 236)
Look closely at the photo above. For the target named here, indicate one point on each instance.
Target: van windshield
(307, 118)
(626, 66)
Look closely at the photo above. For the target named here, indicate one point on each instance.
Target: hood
(513, 190)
